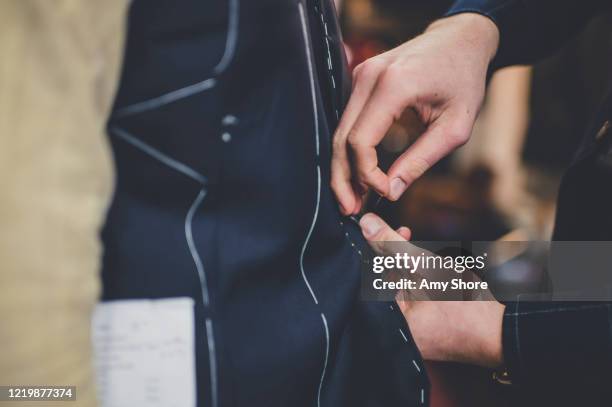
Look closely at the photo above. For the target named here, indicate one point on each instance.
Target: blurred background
(503, 183)
(506, 178)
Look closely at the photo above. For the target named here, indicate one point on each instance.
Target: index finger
(381, 110)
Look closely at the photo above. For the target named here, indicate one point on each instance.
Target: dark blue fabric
(247, 140)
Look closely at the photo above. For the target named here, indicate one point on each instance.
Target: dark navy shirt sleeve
(557, 342)
(531, 29)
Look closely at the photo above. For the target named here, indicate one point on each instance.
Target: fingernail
(397, 188)
(370, 226)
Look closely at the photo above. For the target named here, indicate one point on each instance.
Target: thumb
(377, 232)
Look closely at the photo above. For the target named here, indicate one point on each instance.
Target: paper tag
(144, 353)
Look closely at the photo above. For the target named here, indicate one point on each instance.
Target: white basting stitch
(232, 37)
(305, 245)
(326, 358)
(416, 366)
(310, 74)
(422, 396)
(158, 155)
(212, 363)
(333, 82)
(348, 238)
(391, 307)
(403, 335)
(165, 99)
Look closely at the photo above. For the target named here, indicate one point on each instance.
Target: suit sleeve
(557, 341)
(531, 29)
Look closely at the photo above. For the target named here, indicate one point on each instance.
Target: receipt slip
(144, 353)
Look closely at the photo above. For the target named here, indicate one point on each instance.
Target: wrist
(492, 346)
(474, 31)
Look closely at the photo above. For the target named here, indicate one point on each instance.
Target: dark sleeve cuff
(556, 341)
(513, 36)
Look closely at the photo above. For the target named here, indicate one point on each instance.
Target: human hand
(450, 331)
(440, 75)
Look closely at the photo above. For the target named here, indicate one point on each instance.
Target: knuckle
(357, 71)
(456, 139)
(353, 138)
(366, 176)
(395, 72)
(337, 143)
(368, 69)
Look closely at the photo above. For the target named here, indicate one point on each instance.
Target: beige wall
(59, 61)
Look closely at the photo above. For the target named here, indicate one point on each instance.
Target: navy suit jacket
(221, 134)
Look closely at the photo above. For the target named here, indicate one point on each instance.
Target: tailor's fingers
(443, 136)
(364, 80)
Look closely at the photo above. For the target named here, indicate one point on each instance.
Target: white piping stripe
(192, 247)
(326, 357)
(210, 339)
(165, 99)
(403, 335)
(316, 212)
(212, 363)
(305, 245)
(232, 37)
(173, 96)
(158, 155)
(310, 74)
